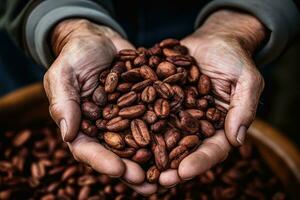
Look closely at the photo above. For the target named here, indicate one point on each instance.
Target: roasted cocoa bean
(172, 136)
(114, 140)
(202, 104)
(193, 74)
(204, 85)
(148, 73)
(177, 155)
(103, 75)
(100, 96)
(161, 108)
(127, 54)
(129, 140)
(191, 97)
(113, 97)
(140, 60)
(148, 95)
(142, 156)
(159, 150)
(198, 114)
(188, 123)
(110, 111)
(206, 128)
(101, 124)
(117, 124)
(111, 82)
(140, 132)
(118, 68)
(132, 75)
(165, 69)
(169, 42)
(154, 61)
(152, 174)
(163, 89)
(175, 78)
(180, 60)
(132, 111)
(190, 141)
(127, 99)
(90, 110)
(170, 52)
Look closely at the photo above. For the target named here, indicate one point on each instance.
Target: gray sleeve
(48, 13)
(282, 18)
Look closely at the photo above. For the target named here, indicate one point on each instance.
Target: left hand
(223, 48)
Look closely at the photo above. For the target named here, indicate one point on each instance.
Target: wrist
(244, 28)
(70, 29)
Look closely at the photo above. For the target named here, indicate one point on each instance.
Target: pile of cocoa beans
(153, 106)
(36, 164)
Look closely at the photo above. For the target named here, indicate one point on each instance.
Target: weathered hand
(83, 50)
(223, 48)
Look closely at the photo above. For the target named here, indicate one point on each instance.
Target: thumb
(61, 87)
(243, 104)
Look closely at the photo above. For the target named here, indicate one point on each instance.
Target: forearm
(240, 26)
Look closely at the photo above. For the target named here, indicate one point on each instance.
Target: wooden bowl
(29, 106)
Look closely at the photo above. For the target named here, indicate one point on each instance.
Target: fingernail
(63, 128)
(241, 135)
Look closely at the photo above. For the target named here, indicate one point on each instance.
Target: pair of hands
(223, 47)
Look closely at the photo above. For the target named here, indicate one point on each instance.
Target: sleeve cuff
(282, 18)
(48, 13)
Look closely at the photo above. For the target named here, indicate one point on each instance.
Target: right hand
(83, 50)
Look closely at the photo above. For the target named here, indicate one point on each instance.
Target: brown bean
(206, 128)
(117, 124)
(150, 117)
(148, 73)
(90, 110)
(141, 85)
(132, 111)
(100, 96)
(124, 87)
(171, 137)
(111, 82)
(114, 140)
(177, 155)
(161, 108)
(213, 114)
(188, 123)
(190, 141)
(127, 99)
(198, 114)
(129, 140)
(165, 69)
(110, 111)
(160, 152)
(152, 174)
(140, 132)
(142, 156)
(132, 75)
(159, 126)
(204, 85)
(163, 89)
(193, 74)
(149, 94)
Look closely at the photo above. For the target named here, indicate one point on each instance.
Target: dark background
(149, 23)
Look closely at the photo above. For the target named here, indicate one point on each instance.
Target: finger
(89, 151)
(169, 178)
(243, 105)
(212, 151)
(145, 189)
(134, 174)
(62, 91)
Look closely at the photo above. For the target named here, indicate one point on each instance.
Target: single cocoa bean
(114, 140)
(204, 85)
(182, 49)
(129, 65)
(127, 99)
(177, 155)
(132, 75)
(159, 150)
(118, 68)
(152, 174)
(206, 128)
(142, 156)
(202, 104)
(180, 60)
(175, 78)
(110, 111)
(117, 124)
(90, 110)
(155, 50)
(172, 136)
(132, 111)
(165, 69)
(190, 141)
(111, 82)
(163, 89)
(191, 94)
(140, 132)
(100, 96)
(170, 52)
(193, 74)
(161, 108)
(129, 140)
(148, 73)
(149, 94)
(127, 54)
